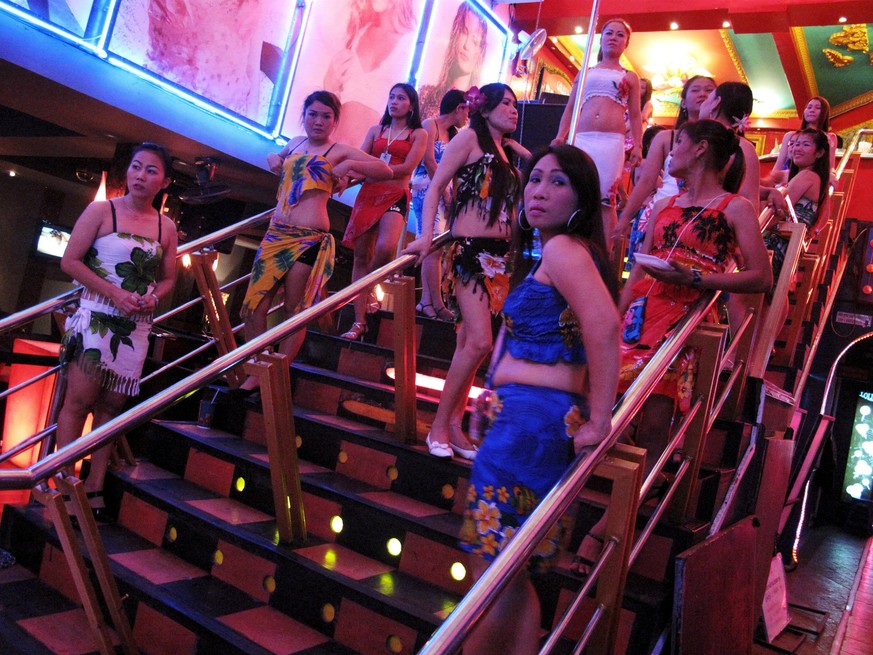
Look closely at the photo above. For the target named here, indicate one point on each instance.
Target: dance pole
(577, 99)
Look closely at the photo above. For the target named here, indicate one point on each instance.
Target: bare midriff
(600, 114)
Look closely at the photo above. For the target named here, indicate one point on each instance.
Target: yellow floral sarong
(281, 246)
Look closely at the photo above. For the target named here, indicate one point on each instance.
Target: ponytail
(736, 170)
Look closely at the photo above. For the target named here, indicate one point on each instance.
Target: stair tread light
(336, 524)
(458, 571)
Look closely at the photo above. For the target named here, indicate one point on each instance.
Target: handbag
(634, 317)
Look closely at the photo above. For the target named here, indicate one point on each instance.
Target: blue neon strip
(289, 66)
(195, 100)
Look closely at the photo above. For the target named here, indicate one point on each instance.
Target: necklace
(392, 140)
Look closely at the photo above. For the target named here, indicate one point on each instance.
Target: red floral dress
(709, 244)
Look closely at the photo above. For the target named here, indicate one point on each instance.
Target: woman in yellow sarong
(298, 248)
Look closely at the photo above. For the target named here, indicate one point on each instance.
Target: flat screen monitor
(52, 240)
(858, 478)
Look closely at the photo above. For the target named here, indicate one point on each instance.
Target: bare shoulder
(740, 208)
(561, 250)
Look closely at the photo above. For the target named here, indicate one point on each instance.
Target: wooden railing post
(281, 437)
(778, 308)
(402, 290)
(709, 339)
(54, 502)
(216, 311)
(624, 467)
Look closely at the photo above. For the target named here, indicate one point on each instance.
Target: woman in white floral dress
(124, 253)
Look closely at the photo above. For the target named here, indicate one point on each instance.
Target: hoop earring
(523, 223)
(572, 218)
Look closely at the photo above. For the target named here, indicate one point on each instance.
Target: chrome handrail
(514, 556)
(52, 304)
(851, 148)
(99, 437)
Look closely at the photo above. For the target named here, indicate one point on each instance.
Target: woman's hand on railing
(420, 248)
(589, 435)
(774, 199)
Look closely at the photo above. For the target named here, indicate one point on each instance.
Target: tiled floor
(834, 575)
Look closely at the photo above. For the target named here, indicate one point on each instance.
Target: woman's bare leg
(431, 278)
(362, 265)
(295, 288)
(473, 345)
(84, 395)
(109, 405)
(255, 325)
(512, 624)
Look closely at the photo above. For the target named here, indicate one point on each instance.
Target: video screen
(858, 479)
(52, 240)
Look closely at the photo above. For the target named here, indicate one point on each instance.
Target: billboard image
(858, 479)
(192, 43)
(465, 47)
(357, 49)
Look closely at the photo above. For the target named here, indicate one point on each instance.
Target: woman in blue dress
(555, 377)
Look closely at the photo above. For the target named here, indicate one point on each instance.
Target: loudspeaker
(537, 124)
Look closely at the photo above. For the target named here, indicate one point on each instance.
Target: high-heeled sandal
(421, 310)
(437, 449)
(446, 315)
(582, 564)
(355, 332)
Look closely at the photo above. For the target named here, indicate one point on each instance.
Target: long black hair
(449, 103)
(736, 104)
(824, 116)
(587, 223)
(413, 120)
(822, 166)
(504, 176)
(724, 148)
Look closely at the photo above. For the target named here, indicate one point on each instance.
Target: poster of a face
(357, 49)
(71, 15)
(210, 47)
(464, 48)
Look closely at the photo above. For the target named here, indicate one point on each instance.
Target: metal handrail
(52, 304)
(853, 145)
(99, 437)
(514, 556)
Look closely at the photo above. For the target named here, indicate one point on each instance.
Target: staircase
(195, 548)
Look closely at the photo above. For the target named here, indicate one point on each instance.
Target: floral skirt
(482, 261)
(109, 346)
(526, 451)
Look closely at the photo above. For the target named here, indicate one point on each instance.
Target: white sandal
(437, 449)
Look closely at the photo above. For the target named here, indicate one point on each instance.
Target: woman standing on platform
(475, 276)
(610, 91)
(297, 252)
(809, 173)
(124, 253)
(555, 380)
(378, 218)
(699, 234)
(454, 113)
